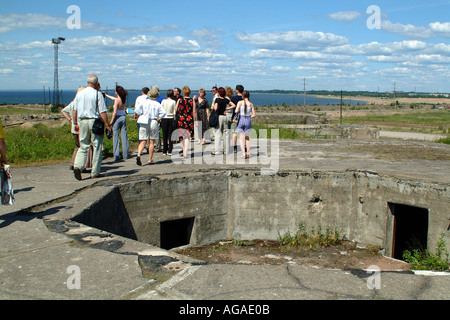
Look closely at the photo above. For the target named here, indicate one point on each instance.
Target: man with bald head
(89, 105)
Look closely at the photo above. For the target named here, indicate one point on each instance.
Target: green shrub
(444, 140)
(311, 239)
(425, 260)
(41, 143)
(38, 144)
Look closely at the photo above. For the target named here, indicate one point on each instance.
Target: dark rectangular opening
(410, 229)
(176, 233)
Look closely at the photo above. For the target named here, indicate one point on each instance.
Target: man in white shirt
(89, 105)
(150, 113)
(140, 100)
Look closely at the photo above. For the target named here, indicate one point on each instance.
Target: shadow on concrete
(24, 216)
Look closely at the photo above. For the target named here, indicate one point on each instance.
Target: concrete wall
(245, 205)
(108, 214)
(262, 207)
(333, 131)
(355, 202)
(374, 220)
(203, 197)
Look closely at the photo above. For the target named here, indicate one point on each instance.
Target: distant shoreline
(388, 101)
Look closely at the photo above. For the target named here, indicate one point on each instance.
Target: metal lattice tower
(56, 42)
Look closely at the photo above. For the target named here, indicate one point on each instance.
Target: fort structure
(121, 230)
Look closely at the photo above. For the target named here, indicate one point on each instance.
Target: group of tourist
(178, 116)
(235, 113)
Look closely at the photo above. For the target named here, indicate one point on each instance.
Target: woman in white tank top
(246, 109)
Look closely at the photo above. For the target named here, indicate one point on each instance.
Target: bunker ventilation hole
(410, 229)
(176, 233)
(316, 199)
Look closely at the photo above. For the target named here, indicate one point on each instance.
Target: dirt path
(344, 256)
(411, 135)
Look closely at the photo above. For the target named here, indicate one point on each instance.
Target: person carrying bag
(89, 108)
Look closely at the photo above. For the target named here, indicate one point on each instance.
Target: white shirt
(169, 105)
(140, 100)
(142, 109)
(85, 104)
(242, 110)
(149, 110)
(68, 110)
(156, 110)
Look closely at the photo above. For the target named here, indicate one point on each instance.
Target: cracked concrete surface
(297, 282)
(34, 259)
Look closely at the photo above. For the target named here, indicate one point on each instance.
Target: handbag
(7, 191)
(98, 127)
(175, 121)
(237, 117)
(213, 119)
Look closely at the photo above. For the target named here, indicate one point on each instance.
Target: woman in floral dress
(187, 114)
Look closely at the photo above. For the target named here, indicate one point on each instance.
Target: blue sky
(260, 44)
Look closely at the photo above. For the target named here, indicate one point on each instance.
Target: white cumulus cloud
(292, 40)
(441, 29)
(407, 30)
(345, 16)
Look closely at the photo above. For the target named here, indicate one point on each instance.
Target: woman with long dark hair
(221, 104)
(119, 123)
(202, 114)
(246, 109)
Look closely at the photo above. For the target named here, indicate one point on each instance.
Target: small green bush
(38, 144)
(311, 239)
(425, 260)
(444, 140)
(41, 143)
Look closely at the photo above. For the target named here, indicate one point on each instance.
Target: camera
(109, 134)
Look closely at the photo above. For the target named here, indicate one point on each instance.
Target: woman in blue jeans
(119, 123)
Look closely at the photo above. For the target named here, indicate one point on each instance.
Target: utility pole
(45, 108)
(395, 102)
(341, 110)
(56, 94)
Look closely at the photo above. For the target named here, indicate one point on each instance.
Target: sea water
(258, 99)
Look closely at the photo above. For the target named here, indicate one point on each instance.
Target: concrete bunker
(410, 229)
(204, 207)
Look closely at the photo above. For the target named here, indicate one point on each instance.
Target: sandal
(77, 174)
